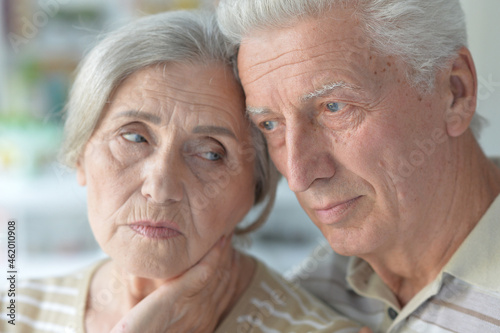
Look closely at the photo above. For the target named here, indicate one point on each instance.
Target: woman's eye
(268, 125)
(211, 156)
(134, 137)
(335, 106)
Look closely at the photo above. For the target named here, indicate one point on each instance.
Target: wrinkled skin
(169, 172)
(387, 173)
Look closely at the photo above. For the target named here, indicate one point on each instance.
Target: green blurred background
(42, 43)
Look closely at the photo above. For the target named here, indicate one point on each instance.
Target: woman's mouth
(155, 230)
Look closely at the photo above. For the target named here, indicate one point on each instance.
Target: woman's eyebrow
(140, 114)
(214, 130)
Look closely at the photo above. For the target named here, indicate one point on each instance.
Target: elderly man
(367, 108)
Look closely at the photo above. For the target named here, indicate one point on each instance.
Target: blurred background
(42, 41)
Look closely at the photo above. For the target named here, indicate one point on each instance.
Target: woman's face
(169, 168)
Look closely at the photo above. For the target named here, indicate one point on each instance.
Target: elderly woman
(156, 130)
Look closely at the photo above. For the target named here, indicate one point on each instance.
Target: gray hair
(425, 35)
(171, 37)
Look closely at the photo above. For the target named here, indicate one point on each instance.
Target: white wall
(482, 25)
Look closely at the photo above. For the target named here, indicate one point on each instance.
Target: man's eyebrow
(140, 114)
(328, 89)
(323, 91)
(214, 130)
(256, 111)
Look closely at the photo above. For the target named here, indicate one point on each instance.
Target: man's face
(362, 150)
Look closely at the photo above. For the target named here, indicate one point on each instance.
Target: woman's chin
(151, 269)
(151, 259)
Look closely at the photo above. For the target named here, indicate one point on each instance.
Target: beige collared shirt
(269, 305)
(464, 298)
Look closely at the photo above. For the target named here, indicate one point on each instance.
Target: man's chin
(352, 242)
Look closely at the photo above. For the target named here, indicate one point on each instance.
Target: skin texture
(174, 306)
(378, 167)
(173, 146)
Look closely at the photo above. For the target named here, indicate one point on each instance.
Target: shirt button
(392, 313)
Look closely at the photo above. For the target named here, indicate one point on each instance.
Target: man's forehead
(305, 43)
(318, 71)
(337, 24)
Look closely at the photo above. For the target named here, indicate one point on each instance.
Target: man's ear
(80, 172)
(463, 87)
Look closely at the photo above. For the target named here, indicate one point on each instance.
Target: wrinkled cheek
(121, 156)
(100, 211)
(279, 157)
(397, 181)
(108, 190)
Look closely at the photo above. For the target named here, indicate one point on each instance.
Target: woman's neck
(113, 292)
(246, 270)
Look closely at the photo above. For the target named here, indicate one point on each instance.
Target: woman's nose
(162, 177)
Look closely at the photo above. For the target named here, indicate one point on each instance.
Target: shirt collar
(477, 260)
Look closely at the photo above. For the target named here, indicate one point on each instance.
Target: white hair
(424, 34)
(172, 37)
(157, 39)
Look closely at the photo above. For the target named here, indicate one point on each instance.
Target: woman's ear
(80, 172)
(462, 81)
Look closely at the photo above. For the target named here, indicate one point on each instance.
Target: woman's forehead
(187, 83)
(184, 93)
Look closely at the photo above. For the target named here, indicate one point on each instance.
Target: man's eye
(268, 125)
(134, 137)
(335, 106)
(211, 156)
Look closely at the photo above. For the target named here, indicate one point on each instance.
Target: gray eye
(211, 156)
(333, 106)
(268, 125)
(134, 137)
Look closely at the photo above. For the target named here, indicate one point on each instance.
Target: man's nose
(309, 155)
(162, 177)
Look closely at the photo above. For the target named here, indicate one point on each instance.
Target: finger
(203, 275)
(214, 255)
(217, 284)
(365, 330)
(146, 315)
(227, 269)
(220, 256)
(227, 288)
(226, 257)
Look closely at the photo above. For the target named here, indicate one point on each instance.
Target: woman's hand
(193, 302)
(365, 330)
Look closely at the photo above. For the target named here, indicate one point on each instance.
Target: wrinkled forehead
(181, 92)
(313, 54)
(309, 38)
(202, 80)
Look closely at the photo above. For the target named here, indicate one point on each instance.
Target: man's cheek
(279, 158)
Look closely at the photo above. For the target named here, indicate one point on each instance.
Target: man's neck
(470, 184)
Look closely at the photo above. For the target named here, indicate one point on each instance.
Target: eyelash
(341, 106)
(221, 153)
(262, 125)
(211, 155)
(218, 155)
(143, 139)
